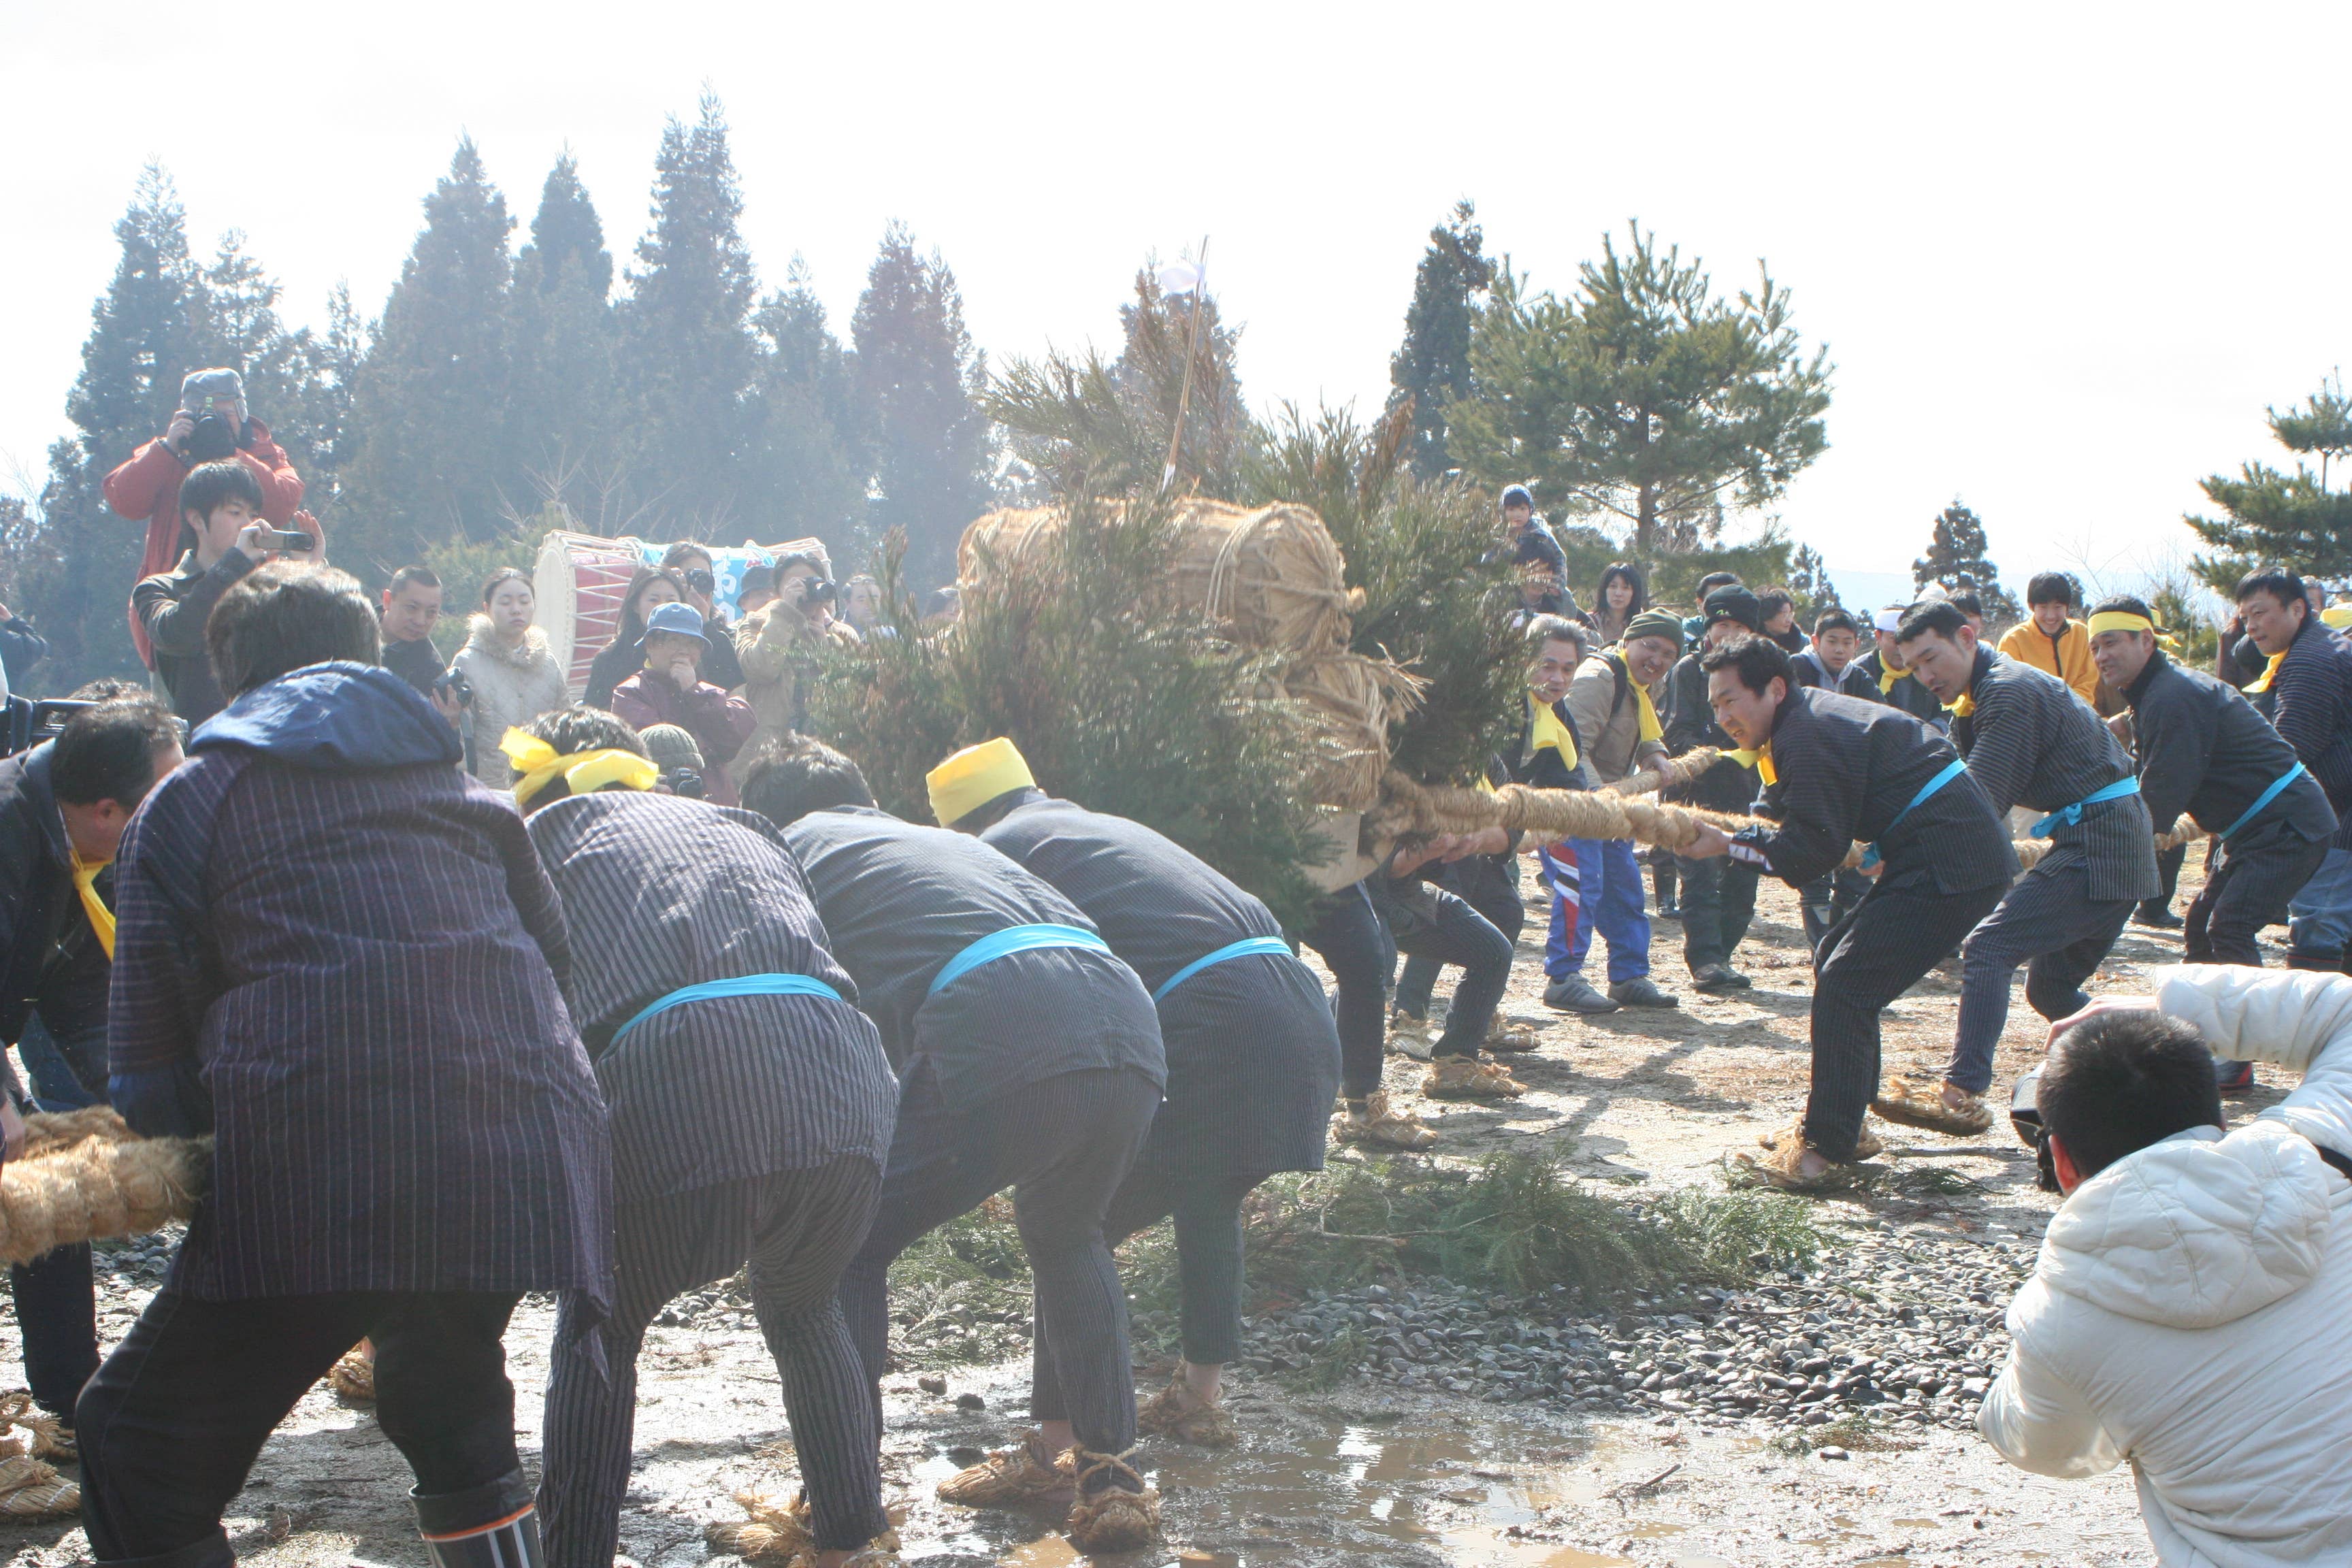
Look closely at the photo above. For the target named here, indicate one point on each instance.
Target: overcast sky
(2062, 255)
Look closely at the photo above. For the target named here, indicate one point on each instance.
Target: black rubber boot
(493, 1525)
(212, 1551)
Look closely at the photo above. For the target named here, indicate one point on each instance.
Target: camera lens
(701, 582)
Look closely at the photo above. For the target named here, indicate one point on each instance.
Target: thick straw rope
(85, 1176)
(1408, 809)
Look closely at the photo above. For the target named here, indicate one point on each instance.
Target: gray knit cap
(200, 387)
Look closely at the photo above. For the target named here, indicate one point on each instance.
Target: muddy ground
(1369, 1470)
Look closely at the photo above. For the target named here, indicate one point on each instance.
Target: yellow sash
(101, 918)
(1760, 759)
(2270, 672)
(1651, 729)
(1545, 729)
(1888, 675)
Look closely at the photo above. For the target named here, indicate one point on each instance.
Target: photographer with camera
(670, 690)
(2186, 1311)
(693, 562)
(210, 425)
(779, 642)
(223, 507)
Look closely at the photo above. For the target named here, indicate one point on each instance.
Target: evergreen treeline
(507, 386)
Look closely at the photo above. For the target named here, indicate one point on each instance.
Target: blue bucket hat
(678, 620)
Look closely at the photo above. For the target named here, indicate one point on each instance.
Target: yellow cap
(974, 776)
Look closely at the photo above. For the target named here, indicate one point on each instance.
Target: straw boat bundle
(1273, 579)
(86, 1176)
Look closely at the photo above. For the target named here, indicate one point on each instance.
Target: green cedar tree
(919, 379)
(1956, 557)
(807, 473)
(689, 356)
(564, 413)
(1432, 368)
(428, 412)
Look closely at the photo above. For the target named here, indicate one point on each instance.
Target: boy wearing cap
(1542, 565)
(670, 690)
(1029, 1056)
(750, 1112)
(1719, 897)
(1252, 1057)
(1890, 680)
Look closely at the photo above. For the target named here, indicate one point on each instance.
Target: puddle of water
(1412, 1489)
(1915, 1523)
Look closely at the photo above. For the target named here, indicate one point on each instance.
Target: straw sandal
(1383, 1127)
(1177, 1412)
(1919, 1102)
(353, 1378)
(1783, 1167)
(1508, 1037)
(1867, 1143)
(1467, 1078)
(781, 1535)
(1115, 1517)
(1009, 1477)
(51, 1437)
(1411, 1037)
(31, 1490)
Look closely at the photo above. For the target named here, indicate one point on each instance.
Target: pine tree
(2279, 519)
(563, 418)
(688, 355)
(1956, 558)
(1643, 397)
(807, 473)
(918, 378)
(1432, 368)
(428, 412)
(235, 320)
(71, 564)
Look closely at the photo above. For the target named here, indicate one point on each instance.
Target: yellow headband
(972, 777)
(583, 771)
(2122, 621)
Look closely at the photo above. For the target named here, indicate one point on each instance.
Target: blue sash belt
(2068, 816)
(740, 986)
(1870, 855)
(2278, 787)
(1242, 949)
(999, 944)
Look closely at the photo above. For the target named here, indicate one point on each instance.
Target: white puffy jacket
(2191, 1310)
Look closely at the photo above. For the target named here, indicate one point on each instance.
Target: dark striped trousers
(1892, 938)
(1207, 1208)
(2049, 922)
(797, 1229)
(1064, 1145)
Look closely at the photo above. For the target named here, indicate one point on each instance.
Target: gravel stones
(1904, 1327)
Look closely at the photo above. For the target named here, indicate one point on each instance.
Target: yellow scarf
(1545, 729)
(1888, 675)
(2270, 672)
(1964, 707)
(1760, 759)
(1651, 729)
(101, 918)
(584, 772)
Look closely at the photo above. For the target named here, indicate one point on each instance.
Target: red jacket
(719, 723)
(148, 486)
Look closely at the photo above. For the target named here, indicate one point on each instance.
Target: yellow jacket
(2069, 661)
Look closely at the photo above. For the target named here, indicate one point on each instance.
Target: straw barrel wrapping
(1273, 576)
